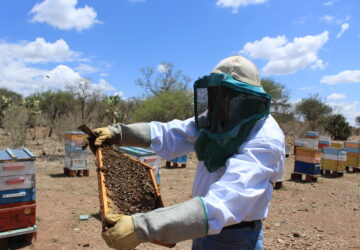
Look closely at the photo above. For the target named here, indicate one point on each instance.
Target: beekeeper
(240, 149)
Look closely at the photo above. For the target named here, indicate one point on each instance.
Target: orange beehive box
(75, 136)
(312, 137)
(309, 152)
(308, 159)
(351, 144)
(17, 217)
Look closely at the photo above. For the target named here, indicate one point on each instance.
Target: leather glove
(103, 135)
(132, 135)
(122, 235)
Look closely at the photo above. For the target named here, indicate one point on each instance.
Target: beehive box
(126, 185)
(308, 155)
(334, 165)
(336, 154)
(17, 177)
(75, 156)
(17, 217)
(307, 168)
(312, 135)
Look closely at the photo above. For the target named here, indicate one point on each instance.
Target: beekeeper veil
(227, 103)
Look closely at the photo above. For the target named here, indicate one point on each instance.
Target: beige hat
(240, 68)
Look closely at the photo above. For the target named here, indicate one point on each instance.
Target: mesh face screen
(220, 109)
(202, 107)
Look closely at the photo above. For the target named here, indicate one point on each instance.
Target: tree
(337, 127)
(166, 79)
(55, 106)
(357, 120)
(313, 110)
(166, 106)
(87, 96)
(280, 106)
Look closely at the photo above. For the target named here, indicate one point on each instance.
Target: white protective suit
(240, 191)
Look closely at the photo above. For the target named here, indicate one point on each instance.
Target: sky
(311, 47)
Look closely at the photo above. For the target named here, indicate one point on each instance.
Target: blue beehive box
(307, 168)
(180, 159)
(16, 166)
(311, 133)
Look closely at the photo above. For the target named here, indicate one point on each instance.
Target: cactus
(112, 110)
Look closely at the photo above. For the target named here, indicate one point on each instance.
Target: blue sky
(309, 46)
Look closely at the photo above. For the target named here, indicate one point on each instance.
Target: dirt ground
(321, 215)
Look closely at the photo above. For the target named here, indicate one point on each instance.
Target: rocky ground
(321, 215)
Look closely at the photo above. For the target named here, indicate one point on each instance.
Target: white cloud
(336, 97)
(319, 64)
(103, 86)
(64, 15)
(330, 3)
(86, 69)
(349, 109)
(38, 51)
(20, 72)
(286, 57)
(328, 18)
(344, 27)
(346, 76)
(235, 4)
(162, 68)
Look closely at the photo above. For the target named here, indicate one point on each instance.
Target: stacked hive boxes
(147, 156)
(75, 156)
(308, 156)
(334, 159)
(324, 141)
(17, 192)
(353, 153)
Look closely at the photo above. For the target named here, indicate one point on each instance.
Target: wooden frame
(104, 207)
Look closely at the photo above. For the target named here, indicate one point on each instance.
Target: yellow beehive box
(353, 161)
(337, 145)
(334, 165)
(75, 136)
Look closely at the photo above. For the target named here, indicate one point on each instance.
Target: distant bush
(166, 106)
(337, 127)
(15, 123)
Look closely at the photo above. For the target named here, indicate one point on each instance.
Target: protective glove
(102, 135)
(122, 235)
(184, 221)
(136, 135)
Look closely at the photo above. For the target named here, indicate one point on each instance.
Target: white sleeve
(173, 139)
(244, 191)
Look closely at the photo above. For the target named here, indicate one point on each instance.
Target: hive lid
(74, 133)
(16, 154)
(137, 151)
